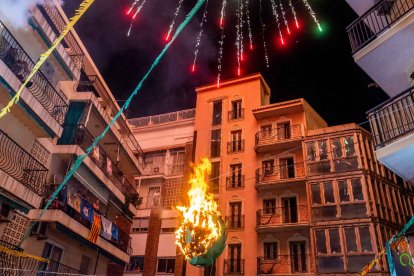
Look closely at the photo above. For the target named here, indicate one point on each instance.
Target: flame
(200, 228)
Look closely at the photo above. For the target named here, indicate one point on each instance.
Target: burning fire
(200, 227)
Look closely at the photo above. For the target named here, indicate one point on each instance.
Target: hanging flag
(86, 210)
(95, 229)
(115, 231)
(109, 166)
(106, 230)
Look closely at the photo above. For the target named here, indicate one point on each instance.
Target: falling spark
(241, 32)
(221, 43)
(284, 16)
(312, 13)
(204, 19)
(177, 11)
(238, 38)
(263, 34)
(135, 14)
(276, 14)
(249, 25)
(132, 6)
(292, 8)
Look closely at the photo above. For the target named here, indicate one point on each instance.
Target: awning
(15, 203)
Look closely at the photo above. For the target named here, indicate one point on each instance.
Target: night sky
(317, 67)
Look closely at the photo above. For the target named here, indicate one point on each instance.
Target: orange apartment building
(298, 197)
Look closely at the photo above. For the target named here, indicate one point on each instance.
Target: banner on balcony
(106, 230)
(73, 198)
(96, 228)
(115, 231)
(87, 212)
(83, 7)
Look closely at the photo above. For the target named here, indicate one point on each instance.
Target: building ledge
(60, 217)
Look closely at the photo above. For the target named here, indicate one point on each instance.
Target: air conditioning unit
(39, 230)
(6, 213)
(156, 169)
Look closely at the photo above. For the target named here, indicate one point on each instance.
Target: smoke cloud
(17, 11)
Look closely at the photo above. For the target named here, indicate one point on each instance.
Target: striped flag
(96, 228)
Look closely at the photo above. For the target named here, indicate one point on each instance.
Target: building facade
(298, 197)
(62, 109)
(167, 141)
(381, 45)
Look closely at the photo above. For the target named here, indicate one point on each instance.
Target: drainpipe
(97, 258)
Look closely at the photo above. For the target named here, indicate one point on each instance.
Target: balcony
(29, 173)
(16, 263)
(392, 124)
(235, 182)
(236, 114)
(156, 169)
(163, 118)
(83, 138)
(281, 138)
(285, 265)
(235, 146)
(380, 36)
(234, 222)
(281, 218)
(20, 64)
(57, 23)
(233, 267)
(280, 176)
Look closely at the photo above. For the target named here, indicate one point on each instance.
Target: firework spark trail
(312, 13)
(132, 6)
(238, 38)
(284, 16)
(263, 34)
(204, 19)
(135, 15)
(276, 14)
(249, 25)
(292, 8)
(177, 11)
(241, 31)
(221, 43)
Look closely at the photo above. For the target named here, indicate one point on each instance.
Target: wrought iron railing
(236, 114)
(20, 63)
(235, 181)
(234, 222)
(234, 266)
(19, 164)
(376, 20)
(235, 146)
(393, 119)
(91, 83)
(282, 215)
(280, 134)
(57, 23)
(83, 138)
(13, 264)
(280, 173)
(163, 118)
(60, 203)
(285, 264)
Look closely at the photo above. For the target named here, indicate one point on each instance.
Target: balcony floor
(279, 184)
(277, 228)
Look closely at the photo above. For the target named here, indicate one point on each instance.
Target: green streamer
(80, 159)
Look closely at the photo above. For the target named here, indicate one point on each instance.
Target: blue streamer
(80, 159)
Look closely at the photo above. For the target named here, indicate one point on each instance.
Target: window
(236, 176)
(269, 206)
(328, 192)
(328, 237)
(268, 167)
(136, 263)
(215, 143)
(270, 250)
(351, 243)
(166, 266)
(287, 168)
(236, 141)
(311, 149)
(316, 193)
(321, 241)
(290, 210)
(235, 263)
(335, 242)
(266, 131)
(84, 265)
(357, 189)
(237, 111)
(336, 148)
(217, 110)
(365, 236)
(154, 197)
(140, 225)
(178, 156)
(323, 150)
(54, 254)
(235, 215)
(215, 177)
(358, 239)
(343, 191)
(349, 146)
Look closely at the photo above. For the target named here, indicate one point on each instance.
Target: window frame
(168, 259)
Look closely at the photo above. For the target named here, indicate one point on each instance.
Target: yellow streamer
(83, 7)
(21, 254)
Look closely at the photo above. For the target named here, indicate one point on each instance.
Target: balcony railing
(162, 168)
(235, 146)
(19, 164)
(83, 138)
(280, 173)
(235, 222)
(13, 264)
(285, 264)
(123, 242)
(236, 114)
(90, 83)
(20, 63)
(163, 118)
(277, 135)
(234, 266)
(393, 119)
(282, 215)
(57, 23)
(382, 16)
(235, 181)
